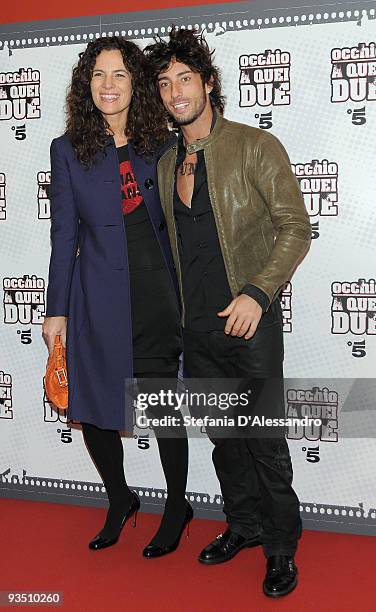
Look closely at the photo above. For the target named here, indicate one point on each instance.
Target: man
(238, 228)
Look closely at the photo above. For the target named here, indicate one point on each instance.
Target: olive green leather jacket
(263, 226)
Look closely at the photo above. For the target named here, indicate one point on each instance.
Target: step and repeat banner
(309, 76)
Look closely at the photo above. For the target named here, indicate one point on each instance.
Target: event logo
(265, 120)
(286, 307)
(314, 403)
(6, 411)
(353, 75)
(56, 415)
(44, 181)
(265, 79)
(3, 202)
(24, 300)
(318, 182)
(20, 94)
(354, 307)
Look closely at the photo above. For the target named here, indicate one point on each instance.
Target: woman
(112, 290)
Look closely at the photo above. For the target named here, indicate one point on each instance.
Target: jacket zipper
(219, 232)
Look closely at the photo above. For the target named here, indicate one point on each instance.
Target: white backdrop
(315, 88)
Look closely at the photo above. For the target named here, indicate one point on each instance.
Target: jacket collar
(109, 140)
(202, 143)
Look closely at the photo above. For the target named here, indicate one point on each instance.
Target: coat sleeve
(64, 234)
(279, 188)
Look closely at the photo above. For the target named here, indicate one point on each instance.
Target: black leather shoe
(98, 542)
(225, 547)
(151, 551)
(281, 576)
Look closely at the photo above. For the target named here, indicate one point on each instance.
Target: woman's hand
(51, 327)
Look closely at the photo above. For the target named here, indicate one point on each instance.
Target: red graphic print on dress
(129, 188)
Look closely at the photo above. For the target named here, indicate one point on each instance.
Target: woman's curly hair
(86, 126)
(190, 48)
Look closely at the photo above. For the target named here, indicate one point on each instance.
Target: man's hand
(244, 314)
(51, 327)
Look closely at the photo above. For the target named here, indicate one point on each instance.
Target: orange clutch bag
(56, 379)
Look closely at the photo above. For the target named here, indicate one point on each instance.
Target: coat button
(149, 183)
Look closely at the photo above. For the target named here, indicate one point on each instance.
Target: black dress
(155, 313)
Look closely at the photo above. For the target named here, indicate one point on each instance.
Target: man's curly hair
(190, 48)
(86, 126)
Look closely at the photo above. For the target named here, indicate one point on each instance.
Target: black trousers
(255, 472)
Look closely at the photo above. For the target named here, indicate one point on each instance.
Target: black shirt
(205, 287)
(154, 307)
(206, 290)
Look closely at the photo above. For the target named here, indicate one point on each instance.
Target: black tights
(106, 449)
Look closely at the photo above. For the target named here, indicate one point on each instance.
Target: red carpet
(44, 547)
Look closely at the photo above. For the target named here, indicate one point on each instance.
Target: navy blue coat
(92, 288)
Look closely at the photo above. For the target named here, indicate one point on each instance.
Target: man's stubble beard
(181, 121)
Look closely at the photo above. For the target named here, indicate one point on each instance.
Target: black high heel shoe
(99, 542)
(151, 551)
